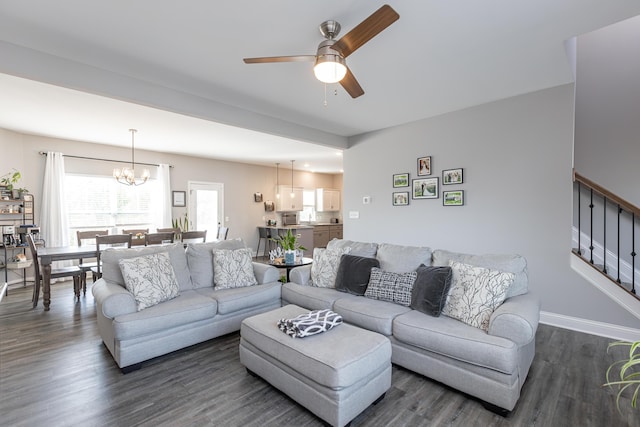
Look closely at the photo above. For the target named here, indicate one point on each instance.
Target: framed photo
(179, 198)
(257, 197)
(401, 198)
(424, 166)
(425, 188)
(400, 180)
(452, 176)
(453, 198)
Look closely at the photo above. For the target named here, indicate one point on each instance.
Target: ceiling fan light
(330, 68)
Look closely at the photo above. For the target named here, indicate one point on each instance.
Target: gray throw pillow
(430, 289)
(390, 286)
(353, 273)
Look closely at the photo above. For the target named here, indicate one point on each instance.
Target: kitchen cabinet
(327, 200)
(323, 234)
(286, 203)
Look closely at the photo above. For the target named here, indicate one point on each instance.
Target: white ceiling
(186, 57)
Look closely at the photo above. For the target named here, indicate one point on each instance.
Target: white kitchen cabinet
(327, 200)
(286, 203)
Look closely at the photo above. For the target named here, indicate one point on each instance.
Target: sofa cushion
(311, 297)
(357, 248)
(374, 315)
(402, 259)
(430, 289)
(233, 268)
(513, 263)
(150, 279)
(452, 338)
(112, 273)
(325, 266)
(353, 273)
(239, 299)
(391, 287)
(200, 260)
(186, 308)
(475, 293)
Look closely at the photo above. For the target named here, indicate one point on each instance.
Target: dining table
(60, 253)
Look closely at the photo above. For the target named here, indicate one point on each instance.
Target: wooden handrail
(631, 208)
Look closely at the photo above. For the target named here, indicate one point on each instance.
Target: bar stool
(264, 233)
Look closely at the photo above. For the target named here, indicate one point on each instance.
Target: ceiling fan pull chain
(325, 95)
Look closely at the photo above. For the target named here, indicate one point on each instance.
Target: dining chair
(109, 241)
(176, 231)
(137, 234)
(87, 237)
(222, 233)
(190, 236)
(158, 238)
(56, 273)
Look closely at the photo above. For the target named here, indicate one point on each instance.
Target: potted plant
(181, 223)
(289, 243)
(628, 370)
(10, 180)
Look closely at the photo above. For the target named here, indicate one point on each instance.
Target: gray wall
(240, 180)
(607, 139)
(517, 159)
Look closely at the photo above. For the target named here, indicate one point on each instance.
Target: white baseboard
(590, 327)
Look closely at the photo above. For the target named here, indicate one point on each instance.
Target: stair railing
(624, 208)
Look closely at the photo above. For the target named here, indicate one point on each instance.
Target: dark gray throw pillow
(353, 273)
(431, 289)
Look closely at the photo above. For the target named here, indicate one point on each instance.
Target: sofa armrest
(265, 273)
(113, 299)
(300, 275)
(516, 319)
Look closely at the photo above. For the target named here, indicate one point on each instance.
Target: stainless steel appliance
(290, 218)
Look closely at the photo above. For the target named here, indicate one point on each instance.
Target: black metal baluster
(579, 218)
(618, 251)
(604, 242)
(633, 252)
(591, 227)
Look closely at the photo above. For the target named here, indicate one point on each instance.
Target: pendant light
(127, 176)
(277, 181)
(292, 193)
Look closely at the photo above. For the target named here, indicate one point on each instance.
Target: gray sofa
(491, 366)
(197, 314)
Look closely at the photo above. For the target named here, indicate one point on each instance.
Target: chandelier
(127, 176)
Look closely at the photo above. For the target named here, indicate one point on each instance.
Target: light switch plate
(354, 214)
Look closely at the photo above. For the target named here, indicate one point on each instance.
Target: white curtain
(54, 223)
(164, 189)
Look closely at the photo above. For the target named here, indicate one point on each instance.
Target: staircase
(604, 246)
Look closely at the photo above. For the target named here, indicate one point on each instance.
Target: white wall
(240, 180)
(517, 159)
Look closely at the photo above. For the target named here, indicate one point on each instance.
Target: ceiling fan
(330, 65)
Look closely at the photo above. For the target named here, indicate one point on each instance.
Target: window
(308, 213)
(100, 202)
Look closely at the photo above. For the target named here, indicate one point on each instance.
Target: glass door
(206, 207)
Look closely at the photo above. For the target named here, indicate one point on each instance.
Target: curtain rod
(43, 153)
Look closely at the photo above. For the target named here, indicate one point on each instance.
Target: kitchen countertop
(287, 227)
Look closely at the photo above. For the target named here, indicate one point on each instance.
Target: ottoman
(336, 374)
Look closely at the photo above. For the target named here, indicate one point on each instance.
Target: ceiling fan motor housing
(330, 29)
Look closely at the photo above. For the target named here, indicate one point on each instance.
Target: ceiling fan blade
(351, 85)
(366, 30)
(266, 59)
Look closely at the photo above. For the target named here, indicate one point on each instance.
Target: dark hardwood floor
(55, 371)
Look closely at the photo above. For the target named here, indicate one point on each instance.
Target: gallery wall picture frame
(179, 199)
(453, 198)
(425, 188)
(424, 166)
(400, 198)
(257, 197)
(400, 180)
(452, 176)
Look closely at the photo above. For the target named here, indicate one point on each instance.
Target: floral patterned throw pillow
(475, 293)
(150, 279)
(233, 268)
(325, 266)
